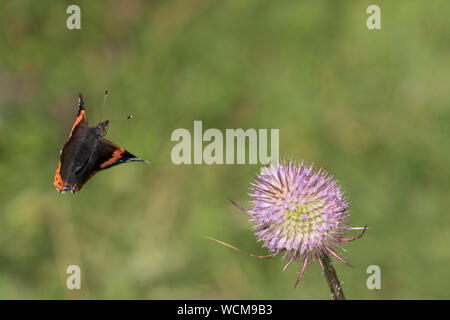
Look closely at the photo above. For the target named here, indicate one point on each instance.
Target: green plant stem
(330, 275)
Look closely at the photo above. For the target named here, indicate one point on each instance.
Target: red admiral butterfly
(86, 152)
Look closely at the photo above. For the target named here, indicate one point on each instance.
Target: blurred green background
(371, 107)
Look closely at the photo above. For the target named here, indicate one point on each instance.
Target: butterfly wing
(108, 155)
(78, 127)
(81, 121)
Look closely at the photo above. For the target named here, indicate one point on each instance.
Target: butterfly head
(100, 129)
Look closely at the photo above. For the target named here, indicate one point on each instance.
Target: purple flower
(300, 212)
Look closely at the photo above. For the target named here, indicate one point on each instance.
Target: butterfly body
(86, 152)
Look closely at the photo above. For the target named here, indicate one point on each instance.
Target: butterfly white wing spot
(60, 191)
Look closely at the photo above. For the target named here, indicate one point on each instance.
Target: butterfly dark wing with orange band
(109, 155)
(80, 124)
(81, 121)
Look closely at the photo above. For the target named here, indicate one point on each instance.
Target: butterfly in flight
(86, 152)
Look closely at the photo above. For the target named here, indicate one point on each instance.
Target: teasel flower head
(299, 212)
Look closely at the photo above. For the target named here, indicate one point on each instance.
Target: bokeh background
(371, 107)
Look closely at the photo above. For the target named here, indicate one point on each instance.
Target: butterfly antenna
(104, 102)
(124, 118)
